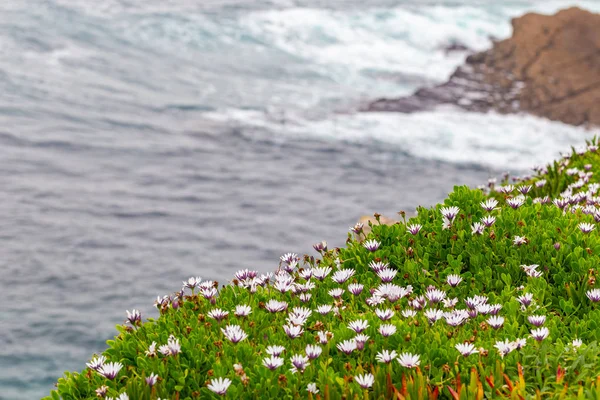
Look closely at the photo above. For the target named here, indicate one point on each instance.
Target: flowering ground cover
(491, 294)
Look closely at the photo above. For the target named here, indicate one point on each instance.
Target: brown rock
(365, 219)
(550, 67)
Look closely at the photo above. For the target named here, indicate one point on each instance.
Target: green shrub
(526, 307)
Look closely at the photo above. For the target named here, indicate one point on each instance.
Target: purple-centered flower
(324, 309)
(245, 274)
(495, 309)
(515, 202)
(101, 391)
(473, 302)
(507, 189)
(276, 306)
(162, 301)
(414, 229)
(365, 381)
(484, 309)
(192, 282)
(312, 388)
(488, 220)
(391, 291)
(293, 331)
(110, 370)
(384, 315)
(320, 247)
(361, 339)
(321, 273)
(275, 350)
(375, 300)
(519, 240)
(342, 275)
(540, 333)
(347, 346)
(450, 303)
(96, 363)
(386, 356)
(358, 228)
(561, 203)
(593, 295)
(305, 273)
(304, 287)
(435, 295)
(453, 280)
(152, 379)
(209, 293)
(433, 315)
(387, 330)
(541, 183)
(151, 352)
(477, 228)
(324, 336)
(418, 302)
(313, 351)
(586, 227)
(408, 313)
(519, 343)
(299, 362)
(532, 270)
(242, 310)
(377, 266)
(298, 317)
(524, 189)
(234, 333)
(284, 282)
(525, 299)
(505, 347)
(456, 317)
(134, 317)
(359, 325)
(355, 288)
(446, 223)
(336, 293)
(466, 349)
(387, 274)
(219, 385)
(450, 212)
(305, 297)
(496, 321)
(489, 204)
(273, 362)
(371, 245)
(408, 360)
(536, 320)
(289, 258)
(218, 314)
(172, 348)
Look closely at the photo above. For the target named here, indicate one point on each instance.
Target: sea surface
(146, 141)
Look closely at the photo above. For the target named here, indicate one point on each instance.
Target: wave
(500, 142)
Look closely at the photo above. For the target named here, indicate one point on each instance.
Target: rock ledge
(550, 67)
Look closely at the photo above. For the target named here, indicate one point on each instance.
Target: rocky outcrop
(550, 67)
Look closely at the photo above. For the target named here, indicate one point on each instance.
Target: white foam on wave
(407, 39)
(501, 142)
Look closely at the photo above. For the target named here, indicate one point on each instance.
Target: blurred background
(144, 142)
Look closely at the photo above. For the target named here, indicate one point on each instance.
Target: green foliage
(491, 264)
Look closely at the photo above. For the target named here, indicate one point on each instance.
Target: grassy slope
(490, 264)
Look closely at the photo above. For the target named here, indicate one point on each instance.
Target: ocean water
(144, 142)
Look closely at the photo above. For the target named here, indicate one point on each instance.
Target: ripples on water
(139, 146)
